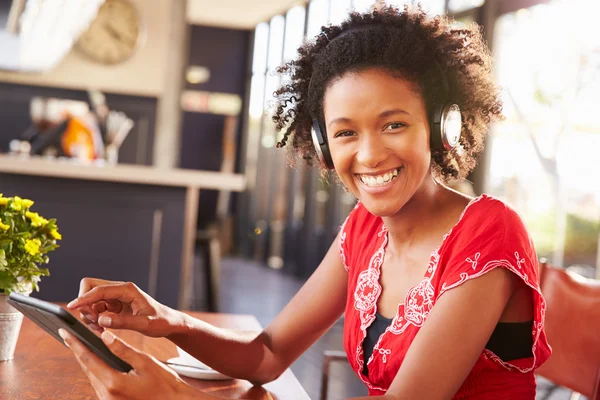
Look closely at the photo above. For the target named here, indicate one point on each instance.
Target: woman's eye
(344, 134)
(395, 125)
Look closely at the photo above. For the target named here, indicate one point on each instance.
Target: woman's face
(378, 135)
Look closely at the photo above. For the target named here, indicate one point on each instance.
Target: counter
(124, 222)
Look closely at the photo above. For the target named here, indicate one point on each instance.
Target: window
(362, 5)
(294, 32)
(339, 10)
(318, 15)
(456, 6)
(433, 7)
(543, 156)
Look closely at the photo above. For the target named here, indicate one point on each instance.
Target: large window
(543, 156)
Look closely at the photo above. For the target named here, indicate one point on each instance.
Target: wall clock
(115, 34)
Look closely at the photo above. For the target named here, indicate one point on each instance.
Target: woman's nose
(372, 151)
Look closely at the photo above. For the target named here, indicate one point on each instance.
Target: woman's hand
(149, 379)
(122, 305)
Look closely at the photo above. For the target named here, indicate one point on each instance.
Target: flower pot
(10, 326)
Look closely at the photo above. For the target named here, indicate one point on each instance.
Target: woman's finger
(114, 306)
(124, 351)
(99, 387)
(90, 363)
(100, 307)
(89, 313)
(124, 292)
(140, 323)
(88, 284)
(94, 326)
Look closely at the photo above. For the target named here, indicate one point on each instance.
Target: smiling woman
(439, 291)
(398, 104)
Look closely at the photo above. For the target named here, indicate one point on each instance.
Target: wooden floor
(251, 288)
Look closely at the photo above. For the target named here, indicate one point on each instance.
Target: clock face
(114, 35)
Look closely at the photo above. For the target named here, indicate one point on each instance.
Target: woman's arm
(453, 337)
(261, 357)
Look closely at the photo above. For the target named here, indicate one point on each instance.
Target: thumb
(138, 323)
(125, 352)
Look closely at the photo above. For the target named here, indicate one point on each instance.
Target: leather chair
(572, 327)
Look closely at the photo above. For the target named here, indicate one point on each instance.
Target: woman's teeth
(379, 180)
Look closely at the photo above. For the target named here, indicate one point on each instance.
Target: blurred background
(155, 93)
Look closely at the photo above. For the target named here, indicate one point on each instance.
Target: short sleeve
(494, 236)
(491, 236)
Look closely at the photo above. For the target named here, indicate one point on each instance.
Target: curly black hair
(408, 43)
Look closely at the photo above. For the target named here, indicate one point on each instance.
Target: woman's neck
(420, 216)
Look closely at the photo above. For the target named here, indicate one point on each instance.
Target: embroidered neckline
(368, 308)
(433, 259)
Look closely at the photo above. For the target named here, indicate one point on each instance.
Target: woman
(439, 291)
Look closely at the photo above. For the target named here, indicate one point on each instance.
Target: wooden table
(43, 368)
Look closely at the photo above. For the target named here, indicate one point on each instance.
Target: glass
(261, 43)
(255, 114)
(543, 154)
(272, 84)
(339, 10)
(257, 92)
(433, 7)
(362, 6)
(294, 32)
(399, 3)
(455, 6)
(277, 28)
(318, 15)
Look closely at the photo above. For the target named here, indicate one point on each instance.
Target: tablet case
(51, 317)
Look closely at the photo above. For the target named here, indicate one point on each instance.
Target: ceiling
(240, 14)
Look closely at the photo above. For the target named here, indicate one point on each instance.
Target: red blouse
(489, 234)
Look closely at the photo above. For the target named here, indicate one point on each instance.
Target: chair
(328, 357)
(572, 326)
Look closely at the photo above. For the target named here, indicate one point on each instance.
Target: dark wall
(137, 147)
(225, 53)
(118, 239)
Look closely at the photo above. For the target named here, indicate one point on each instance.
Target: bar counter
(123, 222)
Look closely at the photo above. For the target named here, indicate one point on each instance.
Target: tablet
(51, 318)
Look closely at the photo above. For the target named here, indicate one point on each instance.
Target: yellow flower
(26, 203)
(4, 227)
(19, 204)
(36, 219)
(16, 204)
(3, 201)
(32, 246)
(55, 235)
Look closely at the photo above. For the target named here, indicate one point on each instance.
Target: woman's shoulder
(490, 213)
(492, 224)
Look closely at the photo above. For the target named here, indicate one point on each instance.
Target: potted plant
(25, 240)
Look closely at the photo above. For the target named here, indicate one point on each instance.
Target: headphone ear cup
(319, 139)
(446, 127)
(435, 127)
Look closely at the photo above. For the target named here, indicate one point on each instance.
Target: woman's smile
(380, 182)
